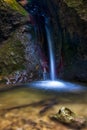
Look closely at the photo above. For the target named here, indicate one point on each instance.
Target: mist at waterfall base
(57, 86)
(53, 84)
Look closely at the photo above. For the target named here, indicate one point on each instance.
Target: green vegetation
(11, 56)
(80, 6)
(73, 3)
(16, 6)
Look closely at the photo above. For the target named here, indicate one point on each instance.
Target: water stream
(50, 48)
(53, 83)
(39, 11)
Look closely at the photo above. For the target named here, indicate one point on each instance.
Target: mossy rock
(11, 55)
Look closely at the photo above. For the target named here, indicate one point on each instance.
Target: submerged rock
(66, 116)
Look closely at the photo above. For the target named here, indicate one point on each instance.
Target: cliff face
(18, 63)
(70, 33)
(10, 19)
(19, 54)
(80, 6)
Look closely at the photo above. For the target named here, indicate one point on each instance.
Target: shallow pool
(27, 108)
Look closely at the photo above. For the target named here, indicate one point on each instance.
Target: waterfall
(39, 9)
(50, 49)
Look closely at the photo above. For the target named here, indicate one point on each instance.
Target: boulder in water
(66, 116)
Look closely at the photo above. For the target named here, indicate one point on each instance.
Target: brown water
(25, 108)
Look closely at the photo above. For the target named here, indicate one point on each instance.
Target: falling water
(50, 49)
(36, 11)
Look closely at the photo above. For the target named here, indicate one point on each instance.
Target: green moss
(80, 6)
(73, 3)
(16, 6)
(11, 56)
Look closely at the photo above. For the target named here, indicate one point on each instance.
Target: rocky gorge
(43, 65)
(19, 52)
